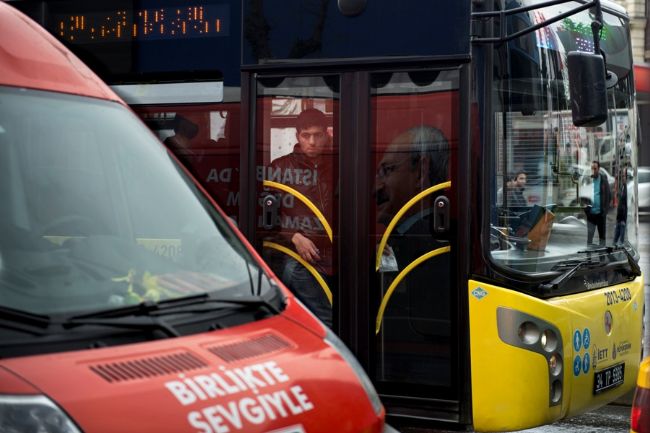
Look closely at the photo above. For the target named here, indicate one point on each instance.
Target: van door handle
(441, 214)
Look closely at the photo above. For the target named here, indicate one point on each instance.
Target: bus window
(414, 130)
(574, 178)
(297, 166)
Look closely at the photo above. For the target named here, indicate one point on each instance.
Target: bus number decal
(616, 296)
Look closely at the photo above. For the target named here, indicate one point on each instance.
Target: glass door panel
(414, 136)
(297, 174)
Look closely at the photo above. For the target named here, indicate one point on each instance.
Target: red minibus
(128, 301)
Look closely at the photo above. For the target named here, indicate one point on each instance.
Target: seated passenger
(515, 197)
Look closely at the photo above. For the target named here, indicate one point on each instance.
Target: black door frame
(353, 322)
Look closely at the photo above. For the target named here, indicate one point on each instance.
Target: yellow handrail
(402, 211)
(307, 266)
(305, 200)
(400, 277)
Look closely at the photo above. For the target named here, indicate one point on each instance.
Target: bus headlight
(555, 364)
(556, 391)
(333, 340)
(528, 333)
(20, 413)
(549, 340)
(531, 333)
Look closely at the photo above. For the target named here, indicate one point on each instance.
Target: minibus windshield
(96, 215)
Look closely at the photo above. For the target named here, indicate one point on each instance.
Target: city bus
(472, 216)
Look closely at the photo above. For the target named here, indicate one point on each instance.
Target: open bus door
(378, 210)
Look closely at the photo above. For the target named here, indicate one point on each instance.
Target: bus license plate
(609, 378)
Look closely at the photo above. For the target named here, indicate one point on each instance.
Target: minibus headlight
(333, 340)
(20, 413)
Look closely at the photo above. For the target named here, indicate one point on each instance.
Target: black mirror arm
(596, 28)
(501, 15)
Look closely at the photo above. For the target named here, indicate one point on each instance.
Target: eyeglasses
(384, 170)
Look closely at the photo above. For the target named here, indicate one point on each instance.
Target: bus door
(356, 213)
(413, 141)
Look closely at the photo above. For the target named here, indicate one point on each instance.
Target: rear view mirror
(588, 88)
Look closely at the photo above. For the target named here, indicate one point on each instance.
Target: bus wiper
(575, 265)
(634, 266)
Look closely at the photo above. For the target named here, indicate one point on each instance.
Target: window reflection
(578, 180)
(414, 140)
(297, 157)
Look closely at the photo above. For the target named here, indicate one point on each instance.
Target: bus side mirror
(588, 88)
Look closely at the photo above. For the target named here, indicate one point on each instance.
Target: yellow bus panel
(535, 361)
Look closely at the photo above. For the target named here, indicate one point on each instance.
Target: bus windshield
(96, 215)
(557, 189)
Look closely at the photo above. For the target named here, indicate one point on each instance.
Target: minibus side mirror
(588, 88)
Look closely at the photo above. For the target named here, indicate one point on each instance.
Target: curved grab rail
(305, 200)
(402, 211)
(307, 266)
(400, 277)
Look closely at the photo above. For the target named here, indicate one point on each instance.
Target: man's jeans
(303, 284)
(596, 221)
(619, 233)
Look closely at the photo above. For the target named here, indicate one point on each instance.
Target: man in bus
(418, 311)
(597, 211)
(414, 161)
(308, 170)
(516, 200)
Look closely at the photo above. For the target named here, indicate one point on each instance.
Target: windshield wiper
(574, 266)
(635, 269)
(136, 323)
(24, 321)
(188, 304)
(147, 314)
(174, 306)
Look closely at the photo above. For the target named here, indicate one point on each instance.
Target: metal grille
(153, 366)
(250, 348)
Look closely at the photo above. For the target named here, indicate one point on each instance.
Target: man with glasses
(417, 316)
(415, 160)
